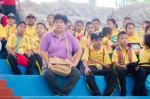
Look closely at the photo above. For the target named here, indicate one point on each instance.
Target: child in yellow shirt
(97, 25)
(11, 27)
(30, 30)
(35, 42)
(124, 59)
(143, 27)
(85, 41)
(79, 25)
(106, 41)
(50, 19)
(144, 66)
(111, 23)
(133, 38)
(97, 62)
(18, 43)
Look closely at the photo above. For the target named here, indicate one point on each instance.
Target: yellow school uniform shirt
(85, 41)
(10, 30)
(78, 34)
(100, 55)
(30, 31)
(142, 32)
(134, 39)
(115, 35)
(23, 47)
(107, 44)
(2, 32)
(50, 29)
(125, 56)
(35, 43)
(144, 56)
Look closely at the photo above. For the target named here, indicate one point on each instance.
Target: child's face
(50, 19)
(130, 29)
(90, 29)
(71, 30)
(97, 25)
(21, 28)
(31, 21)
(11, 21)
(123, 40)
(109, 36)
(40, 30)
(96, 42)
(110, 25)
(79, 27)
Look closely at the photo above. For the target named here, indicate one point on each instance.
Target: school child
(111, 23)
(106, 40)
(97, 25)
(11, 26)
(19, 49)
(97, 62)
(143, 27)
(35, 43)
(144, 67)
(85, 41)
(31, 22)
(50, 19)
(79, 25)
(70, 29)
(125, 21)
(124, 60)
(133, 38)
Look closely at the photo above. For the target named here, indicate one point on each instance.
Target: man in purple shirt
(54, 45)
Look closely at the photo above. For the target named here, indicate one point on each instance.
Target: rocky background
(138, 12)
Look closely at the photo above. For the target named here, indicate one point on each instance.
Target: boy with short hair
(124, 59)
(97, 62)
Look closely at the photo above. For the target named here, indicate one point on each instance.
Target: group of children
(109, 51)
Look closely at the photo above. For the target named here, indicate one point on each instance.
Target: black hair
(127, 18)
(21, 22)
(146, 21)
(128, 25)
(79, 21)
(147, 40)
(87, 24)
(113, 21)
(61, 17)
(121, 33)
(40, 23)
(147, 27)
(96, 19)
(106, 31)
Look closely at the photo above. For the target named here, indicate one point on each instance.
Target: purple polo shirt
(56, 47)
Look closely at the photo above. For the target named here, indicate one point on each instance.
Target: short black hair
(21, 22)
(40, 23)
(127, 18)
(121, 33)
(147, 27)
(96, 36)
(128, 25)
(61, 17)
(96, 19)
(79, 21)
(146, 21)
(147, 40)
(113, 21)
(50, 15)
(106, 31)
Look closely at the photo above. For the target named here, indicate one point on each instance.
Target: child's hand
(87, 71)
